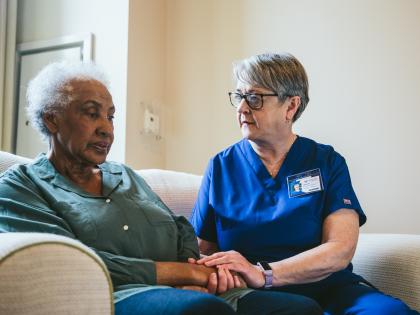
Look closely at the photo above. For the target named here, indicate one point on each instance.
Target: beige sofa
(48, 274)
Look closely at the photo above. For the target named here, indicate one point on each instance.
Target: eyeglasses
(254, 100)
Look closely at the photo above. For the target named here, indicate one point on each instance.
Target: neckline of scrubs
(259, 168)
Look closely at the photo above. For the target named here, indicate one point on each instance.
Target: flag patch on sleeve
(347, 201)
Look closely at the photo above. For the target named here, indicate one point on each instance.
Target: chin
(96, 158)
(246, 134)
(250, 136)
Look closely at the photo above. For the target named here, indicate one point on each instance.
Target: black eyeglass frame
(244, 96)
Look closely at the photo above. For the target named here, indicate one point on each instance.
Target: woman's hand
(222, 281)
(234, 261)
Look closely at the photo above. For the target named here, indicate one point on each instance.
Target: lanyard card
(304, 183)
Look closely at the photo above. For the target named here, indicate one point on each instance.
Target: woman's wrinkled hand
(234, 261)
(223, 280)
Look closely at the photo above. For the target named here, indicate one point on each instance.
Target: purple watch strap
(268, 273)
(268, 278)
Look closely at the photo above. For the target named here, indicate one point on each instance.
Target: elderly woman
(281, 207)
(74, 191)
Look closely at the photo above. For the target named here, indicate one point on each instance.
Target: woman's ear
(50, 121)
(292, 107)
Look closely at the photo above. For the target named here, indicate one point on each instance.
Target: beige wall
(107, 20)
(146, 82)
(363, 60)
(203, 37)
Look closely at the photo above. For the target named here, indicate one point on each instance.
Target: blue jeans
(185, 302)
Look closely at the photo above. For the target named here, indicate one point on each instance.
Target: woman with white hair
(279, 208)
(73, 191)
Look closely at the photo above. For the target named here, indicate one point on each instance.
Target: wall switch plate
(151, 123)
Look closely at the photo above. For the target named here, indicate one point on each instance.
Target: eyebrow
(95, 104)
(252, 91)
(89, 103)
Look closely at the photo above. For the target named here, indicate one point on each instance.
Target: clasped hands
(230, 270)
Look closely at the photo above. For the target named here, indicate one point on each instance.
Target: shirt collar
(111, 176)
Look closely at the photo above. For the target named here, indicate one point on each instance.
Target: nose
(105, 128)
(243, 107)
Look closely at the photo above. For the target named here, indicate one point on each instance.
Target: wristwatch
(268, 273)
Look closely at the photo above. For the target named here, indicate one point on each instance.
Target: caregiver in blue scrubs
(279, 208)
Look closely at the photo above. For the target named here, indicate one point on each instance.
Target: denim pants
(185, 302)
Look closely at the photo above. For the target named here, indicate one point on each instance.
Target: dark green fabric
(36, 198)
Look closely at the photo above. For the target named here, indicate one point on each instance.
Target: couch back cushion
(392, 263)
(176, 189)
(8, 159)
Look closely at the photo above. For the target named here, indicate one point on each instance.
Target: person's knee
(299, 305)
(277, 303)
(307, 306)
(388, 306)
(207, 304)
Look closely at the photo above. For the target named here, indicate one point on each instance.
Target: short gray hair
(281, 73)
(46, 91)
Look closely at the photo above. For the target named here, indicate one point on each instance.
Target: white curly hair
(46, 92)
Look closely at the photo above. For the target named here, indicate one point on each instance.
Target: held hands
(233, 261)
(218, 282)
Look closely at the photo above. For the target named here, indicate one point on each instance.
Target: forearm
(340, 233)
(180, 274)
(312, 265)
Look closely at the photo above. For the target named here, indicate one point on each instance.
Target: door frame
(83, 41)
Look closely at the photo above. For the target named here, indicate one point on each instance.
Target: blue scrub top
(241, 207)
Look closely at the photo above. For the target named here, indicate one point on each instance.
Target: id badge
(304, 183)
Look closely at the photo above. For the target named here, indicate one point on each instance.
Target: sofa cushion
(176, 189)
(392, 263)
(8, 159)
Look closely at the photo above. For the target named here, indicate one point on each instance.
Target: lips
(246, 123)
(101, 146)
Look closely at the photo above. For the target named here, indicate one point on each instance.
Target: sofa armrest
(50, 274)
(391, 262)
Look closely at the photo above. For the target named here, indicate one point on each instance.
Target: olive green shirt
(129, 227)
